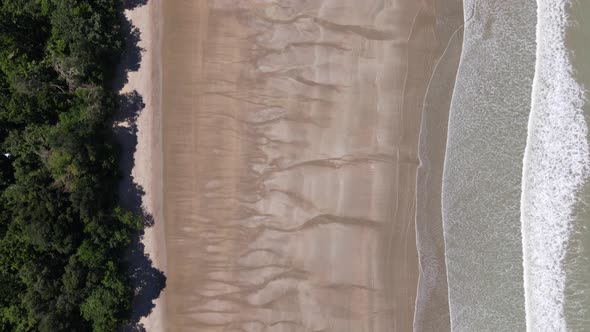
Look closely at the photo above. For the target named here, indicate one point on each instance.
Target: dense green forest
(62, 236)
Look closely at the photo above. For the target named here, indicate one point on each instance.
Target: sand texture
(290, 152)
(143, 145)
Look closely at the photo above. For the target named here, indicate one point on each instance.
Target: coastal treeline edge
(63, 236)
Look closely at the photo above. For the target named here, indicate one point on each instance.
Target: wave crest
(556, 164)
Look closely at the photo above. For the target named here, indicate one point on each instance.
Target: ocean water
(482, 178)
(515, 186)
(555, 169)
(577, 258)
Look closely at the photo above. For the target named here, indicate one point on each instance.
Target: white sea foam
(556, 164)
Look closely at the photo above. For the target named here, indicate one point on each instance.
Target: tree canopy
(62, 235)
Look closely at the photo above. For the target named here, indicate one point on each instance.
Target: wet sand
(290, 148)
(432, 307)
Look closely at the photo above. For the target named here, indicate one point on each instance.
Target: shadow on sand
(147, 281)
(130, 4)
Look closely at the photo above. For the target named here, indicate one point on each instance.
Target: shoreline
(432, 306)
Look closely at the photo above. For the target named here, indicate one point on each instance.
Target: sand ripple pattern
(290, 145)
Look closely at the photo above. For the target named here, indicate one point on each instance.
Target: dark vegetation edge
(70, 255)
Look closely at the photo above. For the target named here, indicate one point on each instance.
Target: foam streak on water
(555, 166)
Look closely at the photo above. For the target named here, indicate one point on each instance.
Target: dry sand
(290, 150)
(147, 166)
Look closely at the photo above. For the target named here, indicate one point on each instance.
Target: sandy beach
(146, 172)
(288, 131)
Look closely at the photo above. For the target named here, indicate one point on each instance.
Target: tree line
(63, 236)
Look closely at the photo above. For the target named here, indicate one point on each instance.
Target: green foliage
(102, 305)
(62, 236)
